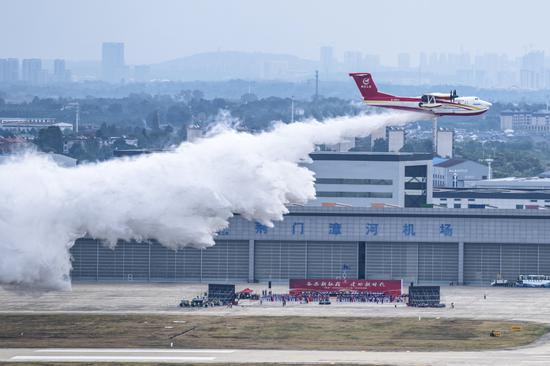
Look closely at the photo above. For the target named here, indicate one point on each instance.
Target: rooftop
(491, 193)
(450, 162)
(369, 156)
(514, 183)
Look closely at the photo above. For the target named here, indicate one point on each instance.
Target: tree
(198, 94)
(178, 114)
(418, 146)
(248, 97)
(153, 120)
(115, 108)
(50, 139)
(77, 152)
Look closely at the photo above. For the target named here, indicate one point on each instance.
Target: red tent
(247, 291)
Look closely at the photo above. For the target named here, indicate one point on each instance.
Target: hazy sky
(158, 30)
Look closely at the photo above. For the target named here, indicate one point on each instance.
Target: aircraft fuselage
(437, 104)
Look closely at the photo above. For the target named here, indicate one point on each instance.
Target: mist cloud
(181, 198)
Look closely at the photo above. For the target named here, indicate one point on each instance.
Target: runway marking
(110, 358)
(130, 350)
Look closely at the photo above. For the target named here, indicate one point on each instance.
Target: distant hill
(227, 65)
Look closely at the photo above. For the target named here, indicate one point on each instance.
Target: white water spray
(181, 198)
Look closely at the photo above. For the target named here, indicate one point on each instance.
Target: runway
(470, 302)
(535, 355)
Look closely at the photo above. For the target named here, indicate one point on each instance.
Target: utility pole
(77, 118)
(76, 107)
(434, 131)
(316, 84)
(292, 109)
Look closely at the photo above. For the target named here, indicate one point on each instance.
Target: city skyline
(488, 70)
(75, 30)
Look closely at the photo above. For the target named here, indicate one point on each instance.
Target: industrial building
(492, 198)
(371, 220)
(29, 124)
(505, 193)
(528, 122)
(424, 245)
(364, 179)
(458, 173)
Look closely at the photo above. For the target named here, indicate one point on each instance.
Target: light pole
(292, 109)
(76, 107)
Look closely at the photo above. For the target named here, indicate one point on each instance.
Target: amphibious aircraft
(436, 104)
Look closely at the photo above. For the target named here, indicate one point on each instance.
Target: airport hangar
(414, 243)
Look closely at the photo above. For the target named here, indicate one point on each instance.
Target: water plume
(181, 197)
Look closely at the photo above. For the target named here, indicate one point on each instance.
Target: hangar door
(388, 260)
(150, 261)
(227, 260)
(419, 262)
(483, 263)
(279, 260)
(332, 259)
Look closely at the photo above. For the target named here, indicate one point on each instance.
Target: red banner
(389, 287)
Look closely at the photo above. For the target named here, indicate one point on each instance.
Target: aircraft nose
(487, 104)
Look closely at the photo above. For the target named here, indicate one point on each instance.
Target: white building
(365, 179)
(21, 125)
(492, 198)
(445, 139)
(457, 173)
(505, 193)
(396, 138)
(522, 121)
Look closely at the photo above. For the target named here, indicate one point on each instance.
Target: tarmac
(521, 304)
(469, 302)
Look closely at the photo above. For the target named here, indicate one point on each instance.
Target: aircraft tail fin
(366, 84)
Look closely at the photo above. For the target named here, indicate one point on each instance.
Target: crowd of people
(379, 298)
(342, 297)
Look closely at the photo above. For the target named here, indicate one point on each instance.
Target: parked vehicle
(184, 303)
(533, 281)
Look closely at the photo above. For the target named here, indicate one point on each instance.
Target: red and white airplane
(436, 104)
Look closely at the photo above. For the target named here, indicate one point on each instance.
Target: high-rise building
(532, 70)
(112, 61)
(9, 70)
(32, 71)
(60, 72)
(327, 60)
